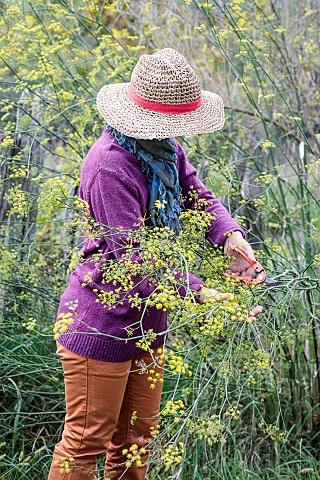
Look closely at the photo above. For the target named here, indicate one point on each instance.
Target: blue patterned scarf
(158, 161)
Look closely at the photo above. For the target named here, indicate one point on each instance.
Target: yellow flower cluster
(7, 141)
(241, 220)
(53, 194)
(160, 205)
(173, 455)
(211, 324)
(317, 259)
(226, 370)
(148, 338)
(82, 219)
(135, 300)
(62, 325)
(134, 417)
(30, 324)
(155, 369)
(87, 279)
(261, 204)
(174, 407)
(233, 412)
(9, 260)
(154, 377)
(265, 144)
(210, 429)
(313, 166)
(178, 367)
(265, 178)
(107, 298)
(252, 363)
(160, 358)
(154, 431)
(223, 34)
(19, 201)
(65, 464)
(133, 455)
(17, 171)
(76, 256)
(176, 362)
(236, 6)
(163, 297)
(122, 275)
(273, 432)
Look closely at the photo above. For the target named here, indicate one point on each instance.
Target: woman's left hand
(239, 265)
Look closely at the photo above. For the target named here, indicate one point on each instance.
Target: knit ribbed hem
(103, 348)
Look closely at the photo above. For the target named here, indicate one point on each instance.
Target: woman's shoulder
(108, 156)
(180, 153)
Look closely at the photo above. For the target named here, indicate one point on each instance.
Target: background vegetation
(262, 58)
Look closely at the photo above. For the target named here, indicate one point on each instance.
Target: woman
(135, 163)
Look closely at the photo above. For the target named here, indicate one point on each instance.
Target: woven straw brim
(130, 119)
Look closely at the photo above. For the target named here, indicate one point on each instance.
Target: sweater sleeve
(116, 204)
(223, 222)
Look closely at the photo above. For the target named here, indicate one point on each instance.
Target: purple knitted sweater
(116, 190)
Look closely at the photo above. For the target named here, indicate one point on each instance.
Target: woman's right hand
(211, 295)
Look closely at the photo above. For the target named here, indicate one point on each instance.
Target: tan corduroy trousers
(102, 401)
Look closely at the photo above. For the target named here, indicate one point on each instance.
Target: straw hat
(164, 99)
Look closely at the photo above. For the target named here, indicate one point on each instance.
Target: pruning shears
(258, 275)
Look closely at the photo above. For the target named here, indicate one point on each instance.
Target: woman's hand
(253, 313)
(239, 265)
(211, 295)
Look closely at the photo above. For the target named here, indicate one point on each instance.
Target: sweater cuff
(221, 237)
(194, 284)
